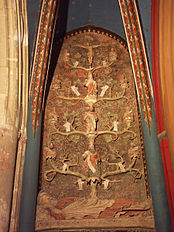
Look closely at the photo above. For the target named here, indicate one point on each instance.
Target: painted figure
(66, 57)
(49, 152)
(104, 89)
(91, 122)
(90, 53)
(91, 84)
(128, 117)
(91, 162)
(112, 55)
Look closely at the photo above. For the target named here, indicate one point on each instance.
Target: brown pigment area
(69, 101)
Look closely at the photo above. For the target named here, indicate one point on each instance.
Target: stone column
(11, 99)
(8, 140)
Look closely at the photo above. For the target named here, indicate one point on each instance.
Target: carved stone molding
(22, 39)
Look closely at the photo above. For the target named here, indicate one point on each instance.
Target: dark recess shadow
(60, 31)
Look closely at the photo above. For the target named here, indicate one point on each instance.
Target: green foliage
(78, 81)
(113, 116)
(107, 71)
(128, 136)
(77, 55)
(59, 102)
(73, 71)
(74, 138)
(69, 115)
(108, 138)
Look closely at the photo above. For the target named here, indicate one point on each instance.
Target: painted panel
(93, 171)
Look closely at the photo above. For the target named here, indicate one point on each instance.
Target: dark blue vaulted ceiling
(101, 13)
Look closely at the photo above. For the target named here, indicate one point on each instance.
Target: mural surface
(93, 170)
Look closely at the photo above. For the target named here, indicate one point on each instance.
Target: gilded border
(41, 58)
(138, 58)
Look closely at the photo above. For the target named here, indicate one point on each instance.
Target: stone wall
(12, 96)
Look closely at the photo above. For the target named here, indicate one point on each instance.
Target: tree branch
(103, 66)
(71, 98)
(117, 132)
(92, 69)
(66, 172)
(113, 98)
(129, 169)
(80, 67)
(70, 133)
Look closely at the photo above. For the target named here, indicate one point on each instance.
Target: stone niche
(93, 171)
